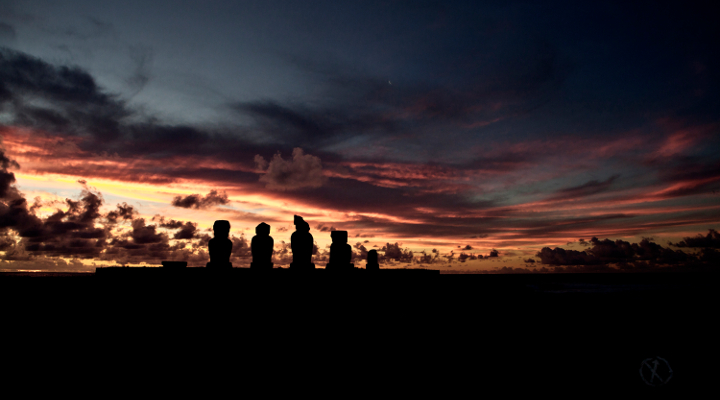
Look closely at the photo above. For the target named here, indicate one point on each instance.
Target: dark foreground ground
(446, 336)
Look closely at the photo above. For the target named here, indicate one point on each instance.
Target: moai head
(372, 257)
(221, 228)
(301, 225)
(263, 229)
(339, 237)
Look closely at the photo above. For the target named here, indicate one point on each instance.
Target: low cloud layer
(625, 255)
(711, 240)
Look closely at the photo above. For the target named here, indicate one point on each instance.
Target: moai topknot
(301, 243)
(262, 247)
(340, 252)
(220, 246)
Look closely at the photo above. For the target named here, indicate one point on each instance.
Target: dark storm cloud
(77, 105)
(197, 201)
(76, 109)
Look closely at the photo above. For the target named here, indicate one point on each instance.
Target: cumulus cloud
(464, 257)
(79, 229)
(302, 171)
(395, 253)
(428, 258)
(197, 201)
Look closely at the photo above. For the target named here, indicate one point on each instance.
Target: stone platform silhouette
(177, 270)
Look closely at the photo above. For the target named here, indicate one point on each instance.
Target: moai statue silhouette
(262, 247)
(340, 252)
(372, 261)
(220, 246)
(301, 243)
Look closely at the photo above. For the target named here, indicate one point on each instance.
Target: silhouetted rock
(262, 247)
(220, 246)
(372, 261)
(301, 243)
(340, 252)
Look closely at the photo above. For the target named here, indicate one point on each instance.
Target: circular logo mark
(655, 371)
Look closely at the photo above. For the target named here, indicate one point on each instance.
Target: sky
(456, 135)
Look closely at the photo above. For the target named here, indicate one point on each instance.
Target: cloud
(124, 212)
(186, 231)
(711, 241)
(587, 189)
(625, 254)
(324, 228)
(395, 253)
(7, 33)
(142, 57)
(65, 123)
(560, 256)
(302, 171)
(464, 257)
(81, 230)
(197, 201)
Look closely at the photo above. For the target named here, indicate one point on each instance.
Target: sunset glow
(471, 141)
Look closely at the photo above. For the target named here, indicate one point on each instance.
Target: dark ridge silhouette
(372, 261)
(220, 246)
(340, 252)
(301, 243)
(174, 265)
(262, 247)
